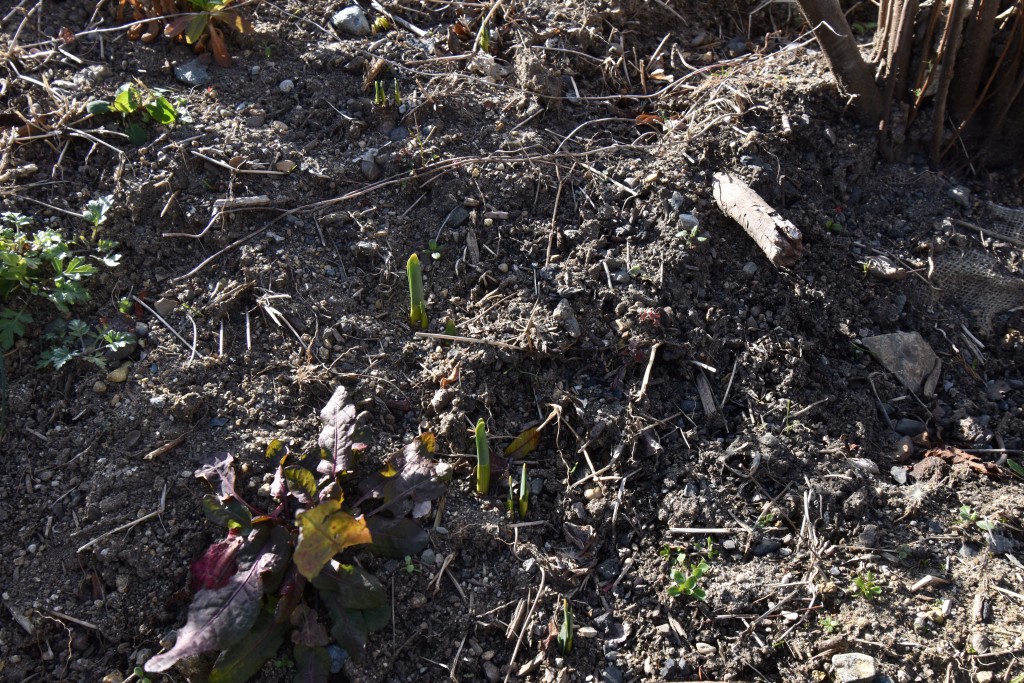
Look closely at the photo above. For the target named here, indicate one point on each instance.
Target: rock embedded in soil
(352, 21)
(853, 667)
(192, 73)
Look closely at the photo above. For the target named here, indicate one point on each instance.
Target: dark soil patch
(539, 187)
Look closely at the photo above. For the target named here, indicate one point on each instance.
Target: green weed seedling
(76, 340)
(565, 632)
(967, 516)
(828, 624)
(686, 577)
(42, 264)
(417, 307)
(255, 590)
(864, 585)
(96, 212)
(483, 458)
(137, 104)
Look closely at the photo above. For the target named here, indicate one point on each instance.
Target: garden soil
(559, 192)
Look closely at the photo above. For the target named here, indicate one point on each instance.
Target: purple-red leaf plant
(254, 590)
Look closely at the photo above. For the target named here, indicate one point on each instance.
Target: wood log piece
(779, 239)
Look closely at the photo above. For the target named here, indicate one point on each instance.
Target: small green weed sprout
(380, 96)
(135, 102)
(44, 265)
(417, 307)
(96, 212)
(483, 459)
(77, 340)
(565, 632)
(485, 38)
(967, 516)
(381, 25)
(834, 227)
(524, 494)
(686, 576)
(864, 585)
(708, 549)
(828, 624)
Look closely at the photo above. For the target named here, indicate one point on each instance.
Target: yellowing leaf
(325, 531)
(276, 449)
(523, 445)
(429, 441)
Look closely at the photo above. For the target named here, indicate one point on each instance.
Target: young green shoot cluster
(417, 307)
(565, 633)
(483, 459)
(685, 578)
(865, 586)
(522, 496)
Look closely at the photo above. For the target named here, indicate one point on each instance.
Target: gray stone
(868, 536)
(908, 356)
(286, 86)
(611, 675)
(192, 73)
(566, 318)
(853, 667)
(907, 427)
(165, 306)
(351, 20)
(766, 547)
(369, 168)
(491, 672)
(961, 195)
(750, 269)
(609, 568)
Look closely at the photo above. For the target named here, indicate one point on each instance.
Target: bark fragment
(778, 238)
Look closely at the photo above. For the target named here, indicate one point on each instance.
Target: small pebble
(118, 375)
(853, 667)
(351, 20)
(503, 267)
(286, 86)
(586, 632)
(99, 387)
(705, 649)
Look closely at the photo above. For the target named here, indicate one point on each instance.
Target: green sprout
(449, 327)
(96, 212)
(380, 97)
(828, 624)
(865, 586)
(483, 459)
(381, 25)
(685, 578)
(417, 308)
(398, 94)
(524, 494)
(565, 633)
(485, 38)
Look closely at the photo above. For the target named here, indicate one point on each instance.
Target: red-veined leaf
(338, 434)
(355, 588)
(312, 665)
(244, 659)
(396, 537)
(217, 565)
(350, 627)
(220, 618)
(216, 469)
(308, 629)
